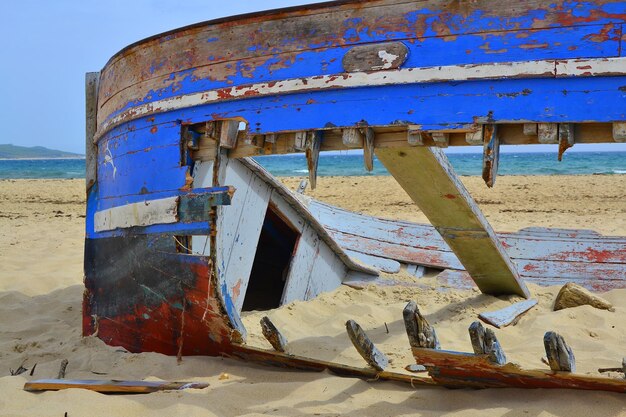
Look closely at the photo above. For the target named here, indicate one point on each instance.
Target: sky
(49, 45)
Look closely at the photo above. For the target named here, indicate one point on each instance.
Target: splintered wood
(484, 342)
(560, 356)
(374, 357)
(419, 331)
(273, 335)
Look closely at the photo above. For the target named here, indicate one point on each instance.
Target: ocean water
(334, 164)
(42, 168)
(574, 163)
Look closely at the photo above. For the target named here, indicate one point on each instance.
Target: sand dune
(41, 232)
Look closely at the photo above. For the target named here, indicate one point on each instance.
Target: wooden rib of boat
(183, 232)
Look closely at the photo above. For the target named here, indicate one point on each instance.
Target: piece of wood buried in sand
(283, 360)
(560, 356)
(110, 386)
(273, 335)
(62, 369)
(374, 357)
(622, 369)
(459, 369)
(484, 342)
(419, 331)
(508, 315)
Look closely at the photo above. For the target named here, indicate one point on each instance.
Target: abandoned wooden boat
(184, 232)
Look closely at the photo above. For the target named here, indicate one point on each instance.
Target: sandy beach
(41, 258)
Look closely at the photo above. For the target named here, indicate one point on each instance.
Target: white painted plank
(144, 213)
(417, 271)
(327, 274)
(301, 266)
(385, 265)
(505, 316)
(239, 230)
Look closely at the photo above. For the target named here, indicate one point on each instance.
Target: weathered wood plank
(374, 357)
(228, 133)
(444, 200)
(301, 266)
(484, 342)
(110, 386)
(508, 315)
(457, 369)
(328, 272)
(368, 149)
(282, 360)
(540, 252)
(386, 265)
(567, 138)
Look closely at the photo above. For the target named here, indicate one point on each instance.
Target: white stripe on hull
(144, 213)
(522, 69)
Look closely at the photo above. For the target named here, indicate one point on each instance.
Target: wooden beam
(459, 369)
(91, 112)
(428, 178)
(397, 136)
(110, 386)
(374, 357)
(228, 133)
(491, 154)
(508, 315)
(566, 138)
(283, 360)
(368, 149)
(313, 144)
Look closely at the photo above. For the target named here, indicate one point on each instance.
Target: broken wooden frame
(487, 367)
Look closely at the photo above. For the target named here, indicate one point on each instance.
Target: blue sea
(338, 164)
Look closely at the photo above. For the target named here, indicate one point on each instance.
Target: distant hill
(22, 152)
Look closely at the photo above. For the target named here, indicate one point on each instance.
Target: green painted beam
(428, 178)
